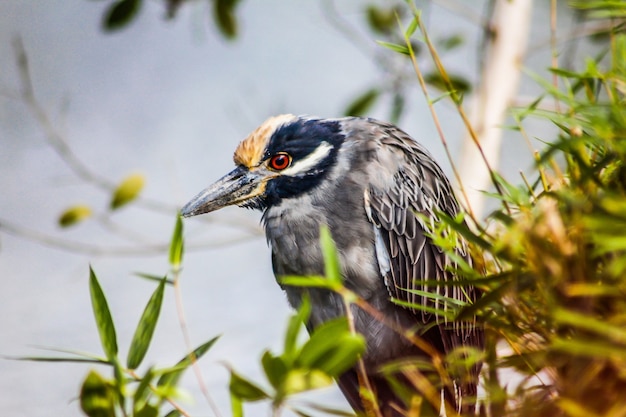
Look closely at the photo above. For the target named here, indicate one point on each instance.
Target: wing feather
(418, 188)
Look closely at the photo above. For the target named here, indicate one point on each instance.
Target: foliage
(555, 291)
(128, 392)
(120, 13)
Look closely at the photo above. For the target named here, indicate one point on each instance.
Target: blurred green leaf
(596, 325)
(142, 392)
(147, 410)
(177, 246)
(301, 380)
(332, 269)
(451, 42)
(102, 314)
(293, 329)
(120, 14)
(397, 108)
(236, 405)
(152, 277)
(412, 27)
(175, 413)
(402, 49)
(127, 191)
(307, 282)
(458, 83)
(74, 214)
(225, 18)
(145, 328)
(382, 20)
(97, 396)
(275, 369)
(363, 103)
(331, 348)
(245, 389)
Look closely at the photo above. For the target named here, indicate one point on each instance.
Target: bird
(379, 192)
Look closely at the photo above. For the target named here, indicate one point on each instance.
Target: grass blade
(102, 314)
(145, 328)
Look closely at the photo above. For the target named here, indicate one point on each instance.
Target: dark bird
(378, 191)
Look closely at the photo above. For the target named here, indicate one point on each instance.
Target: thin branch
(435, 118)
(84, 248)
(186, 336)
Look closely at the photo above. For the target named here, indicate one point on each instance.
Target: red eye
(280, 161)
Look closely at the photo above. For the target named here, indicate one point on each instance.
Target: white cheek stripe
(310, 161)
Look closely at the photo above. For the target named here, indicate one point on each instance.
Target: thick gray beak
(236, 187)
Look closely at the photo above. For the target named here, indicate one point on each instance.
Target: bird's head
(284, 157)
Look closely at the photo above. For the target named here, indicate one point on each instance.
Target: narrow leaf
(332, 269)
(176, 244)
(145, 328)
(395, 47)
(245, 389)
(120, 14)
(102, 314)
(152, 277)
(171, 376)
(293, 329)
(127, 191)
(224, 15)
(97, 398)
(363, 103)
(74, 215)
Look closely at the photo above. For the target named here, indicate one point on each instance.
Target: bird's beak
(236, 187)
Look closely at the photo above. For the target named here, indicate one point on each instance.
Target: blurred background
(170, 99)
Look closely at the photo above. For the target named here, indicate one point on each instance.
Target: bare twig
(186, 336)
(84, 248)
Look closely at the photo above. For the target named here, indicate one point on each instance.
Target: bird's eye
(280, 161)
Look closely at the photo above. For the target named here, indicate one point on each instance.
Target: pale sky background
(169, 99)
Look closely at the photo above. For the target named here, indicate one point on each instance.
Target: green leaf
(363, 103)
(236, 405)
(300, 380)
(585, 322)
(120, 14)
(61, 359)
(145, 328)
(127, 191)
(293, 329)
(245, 389)
(275, 369)
(97, 397)
(332, 269)
(589, 348)
(171, 376)
(307, 282)
(458, 83)
(142, 393)
(152, 277)
(177, 246)
(224, 15)
(331, 348)
(147, 410)
(412, 27)
(174, 413)
(451, 42)
(381, 20)
(102, 314)
(74, 214)
(402, 49)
